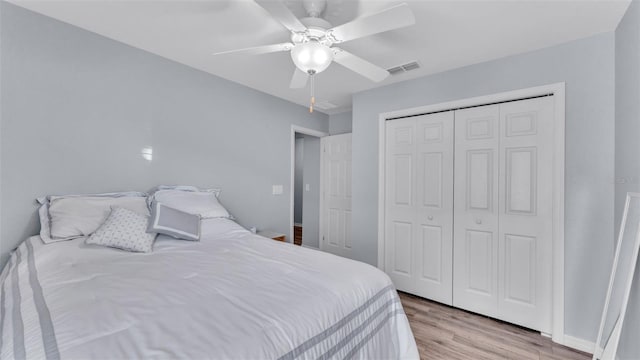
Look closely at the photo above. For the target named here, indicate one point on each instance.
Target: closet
(468, 208)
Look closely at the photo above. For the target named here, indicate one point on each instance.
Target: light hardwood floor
(443, 332)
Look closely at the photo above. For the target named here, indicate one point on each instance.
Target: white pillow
(204, 204)
(124, 229)
(187, 188)
(76, 216)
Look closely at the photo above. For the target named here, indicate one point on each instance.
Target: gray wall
(77, 109)
(627, 144)
(340, 123)
(298, 176)
(587, 67)
(3, 257)
(311, 205)
(627, 126)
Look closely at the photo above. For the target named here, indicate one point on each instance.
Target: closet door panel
(434, 207)
(432, 173)
(400, 202)
(525, 277)
(431, 242)
(479, 180)
(402, 248)
(479, 262)
(475, 254)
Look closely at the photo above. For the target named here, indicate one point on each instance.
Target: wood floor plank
(446, 333)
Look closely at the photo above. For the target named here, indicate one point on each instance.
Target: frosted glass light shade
(312, 56)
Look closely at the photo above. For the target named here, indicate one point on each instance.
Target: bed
(232, 295)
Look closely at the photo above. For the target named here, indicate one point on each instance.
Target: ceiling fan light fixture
(312, 57)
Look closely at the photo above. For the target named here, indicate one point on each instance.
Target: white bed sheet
(233, 295)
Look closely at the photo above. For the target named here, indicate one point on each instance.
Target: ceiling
(448, 34)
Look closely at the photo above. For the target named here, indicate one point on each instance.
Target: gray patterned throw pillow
(124, 229)
(173, 222)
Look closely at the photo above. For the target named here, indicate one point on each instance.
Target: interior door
(419, 205)
(475, 273)
(336, 188)
(526, 194)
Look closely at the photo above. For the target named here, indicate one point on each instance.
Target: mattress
(232, 295)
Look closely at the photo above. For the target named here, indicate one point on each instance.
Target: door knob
(478, 221)
(430, 217)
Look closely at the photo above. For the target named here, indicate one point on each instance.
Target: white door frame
(306, 131)
(558, 90)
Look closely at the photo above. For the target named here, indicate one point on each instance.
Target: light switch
(277, 190)
(307, 187)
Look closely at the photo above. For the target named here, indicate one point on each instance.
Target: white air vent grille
(325, 105)
(404, 68)
(395, 70)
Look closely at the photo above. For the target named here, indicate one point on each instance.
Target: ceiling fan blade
(391, 18)
(359, 65)
(282, 13)
(299, 79)
(257, 50)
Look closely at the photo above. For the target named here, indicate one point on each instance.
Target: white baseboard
(579, 344)
(309, 247)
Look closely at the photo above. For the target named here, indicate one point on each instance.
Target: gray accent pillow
(173, 222)
(201, 203)
(124, 229)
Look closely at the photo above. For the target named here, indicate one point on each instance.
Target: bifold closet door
(503, 211)
(475, 284)
(526, 206)
(419, 205)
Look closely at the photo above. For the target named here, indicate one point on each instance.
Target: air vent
(404, 68)
(325, 105)
(411, 66)
(396, 70)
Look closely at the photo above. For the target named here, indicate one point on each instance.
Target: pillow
(124, 229)
(70, 222)
(204, 204)
(81, 216)
(173, 222)
(186, 188)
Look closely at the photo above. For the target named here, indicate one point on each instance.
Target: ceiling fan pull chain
(313, 97)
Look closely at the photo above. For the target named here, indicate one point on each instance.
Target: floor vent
(404, 68)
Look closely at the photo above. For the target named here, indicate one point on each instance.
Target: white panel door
(525, 240)
(336, 212)
(419, 205)
(475, 254)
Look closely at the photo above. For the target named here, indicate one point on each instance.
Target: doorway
(305, 187)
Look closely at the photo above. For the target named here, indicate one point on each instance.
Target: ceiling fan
(313, 39)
